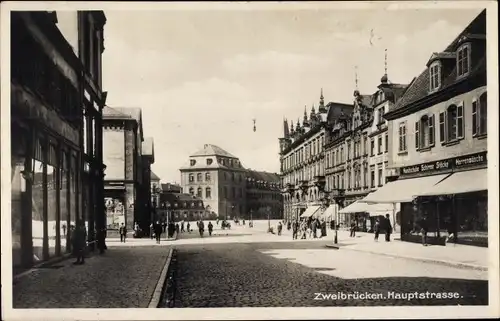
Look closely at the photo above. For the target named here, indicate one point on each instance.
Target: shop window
(463, 60)
(199, 177)
(479, 116)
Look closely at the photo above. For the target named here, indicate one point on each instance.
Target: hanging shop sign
(447, 164)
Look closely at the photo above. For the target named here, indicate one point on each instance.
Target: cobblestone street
(249, 275)
(124, 277)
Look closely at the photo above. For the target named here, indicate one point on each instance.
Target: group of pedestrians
(307, 228)
(385, 225)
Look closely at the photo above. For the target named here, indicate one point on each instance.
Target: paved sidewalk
(121, 278)
(452, 254)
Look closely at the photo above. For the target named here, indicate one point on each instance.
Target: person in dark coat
(376, 229)
(123, 233)
(210, 228)
(188, 226)
(79, 242)
(424, 228)
(388, 228)
(101, 240)
(353, 229)
(295, 229)
(314, 228)
(182, 227)
(280, 227)
(177, 228)
(201, 228)
(158, 229)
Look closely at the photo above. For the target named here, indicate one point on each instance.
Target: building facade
(438, 142)
(218, 178)
(302, 159)
(122, 141)
(56, 107)
(145, 191)
(176, 207)
(263, 193)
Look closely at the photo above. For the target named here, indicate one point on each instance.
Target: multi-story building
(56, 110)
(366, 141)
(218, 178)
(122, 140)
(263, 195)
(145, 191)
(302, 159)
(437, 139)
(181, 207)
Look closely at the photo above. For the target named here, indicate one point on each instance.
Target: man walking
(123, 233)
(79, 242)
(182, 227)
(280, 227)
(158, 230)
(295, 230)
(201, 227)
(388, 228)
(376, 229)
(210, 228)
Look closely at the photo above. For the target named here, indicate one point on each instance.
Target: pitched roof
(419, 88)
(263, 176)
(133, 112)
(212, 150)
(154, 177)
(113, 113)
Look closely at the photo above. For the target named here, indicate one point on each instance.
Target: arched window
(199, 177)
(208, 192)
(191, 191)
(209, 161)
(207, 177)
(424, 132)
(200, 192)
(191, 178)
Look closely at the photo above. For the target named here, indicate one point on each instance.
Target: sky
(202, 76)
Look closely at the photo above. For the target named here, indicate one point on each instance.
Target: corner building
(438, 141)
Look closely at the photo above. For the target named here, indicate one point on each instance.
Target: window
(386, 143)
(402, 137)
(191, 178)
(192, 162)
(424, 132)
(381, 115)
(349, 179)
(451, 124)
(372, 153)
(435, 76)
(199, 177)
(463, 59)
(209, 161)
(372, 177)
(479, 116)
(232, 177)
(200, 192)
(191, 191)
(207, 177)
(379, 145)
(380, 177)
(365, 174)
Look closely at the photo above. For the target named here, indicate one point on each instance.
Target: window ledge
(424, 149)
(481, 136)
(403, 153)
(379, 154)
(451, 142)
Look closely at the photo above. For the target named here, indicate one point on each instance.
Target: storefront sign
(446, 164)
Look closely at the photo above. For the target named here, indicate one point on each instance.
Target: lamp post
(338, 196)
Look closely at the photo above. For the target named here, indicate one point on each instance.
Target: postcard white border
(254, 313)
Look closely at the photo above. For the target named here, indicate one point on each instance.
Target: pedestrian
(288, 225)
(182, 227)
(424, 228)
(353, 229)
(177, 228)
(210, 228)
(158, 229)
(295, 227)
(376, 229)
(123, 233)
(217, 222)
(280, 227)
(201, 227)
(101, 236)
(314, 227)
(388, 228)
(164, 226)
(79, 242)
(188, 227)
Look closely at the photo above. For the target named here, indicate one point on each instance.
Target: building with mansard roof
(302, 158)
(438, 145)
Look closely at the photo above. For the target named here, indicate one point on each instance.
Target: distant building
(145, 191)
(181, 207)
(171, 188)
(218, 178)
(263, 195)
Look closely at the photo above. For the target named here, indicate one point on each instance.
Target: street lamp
(338, 196)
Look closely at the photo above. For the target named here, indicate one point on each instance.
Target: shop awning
(361, 206)
(330, 211)
(310, 211)
(403, 190)
(461, 182)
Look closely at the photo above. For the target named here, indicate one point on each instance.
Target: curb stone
(155, 299)
(420, 259)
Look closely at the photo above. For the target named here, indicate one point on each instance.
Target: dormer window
(463, 60)
(435, 76)
(192, 162)
(209, 161)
